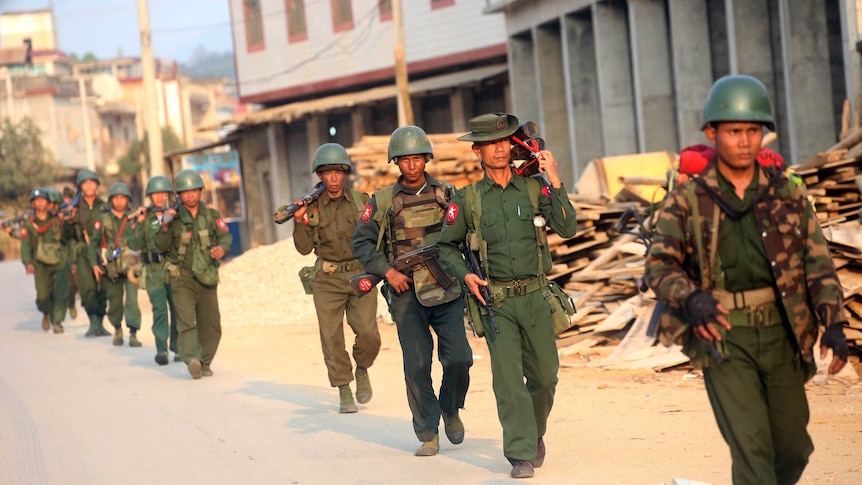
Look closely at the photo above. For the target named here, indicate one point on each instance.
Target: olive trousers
(52, 289)
(118, 306)
(164, 325)
(198, 318)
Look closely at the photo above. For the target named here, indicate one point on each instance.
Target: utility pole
(154, 131)
(8, 76)
(405, 109)
(88, 140)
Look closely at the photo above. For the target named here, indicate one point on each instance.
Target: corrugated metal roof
(289, 112)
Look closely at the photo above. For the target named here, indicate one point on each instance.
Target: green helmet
(158, 183)
(331, 154)
(738, 98)
(86, 174)
(409, 140)
(44, 193)
(54, 195)
(119, 188)
(188, 179)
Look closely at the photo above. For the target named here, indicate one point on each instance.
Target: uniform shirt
(507, 228)
(103, 237)
(30, 237)
(170, 240)
(336, 221)
(740, 248)
(85, 219)
(143, 235)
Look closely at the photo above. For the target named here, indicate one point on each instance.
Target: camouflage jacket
(804, 276)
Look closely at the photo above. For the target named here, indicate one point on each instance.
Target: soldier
(67, 196)
(197, 238)
(83, 219)
(45, 257)
(752, 307)
(143, 238)
(400, 218)
(507, 214)
(112, 263)
(326, 226)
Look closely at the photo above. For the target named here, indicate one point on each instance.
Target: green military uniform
(331, 223)
(414, 219)
(525, 346)
(42, 246)
(764, 258)
(109, 249)
(194, 279)
(153, 261)
(93, 296)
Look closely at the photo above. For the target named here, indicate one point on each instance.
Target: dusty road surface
(80, 411)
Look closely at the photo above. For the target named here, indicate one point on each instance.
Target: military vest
(49, 248)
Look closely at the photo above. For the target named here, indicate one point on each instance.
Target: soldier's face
(119, 202)
(191, 198)
(160, 199)
(333, 180)
(412, 169)
(88, 188)
(736, 143)
(40, 204)
(494, 154)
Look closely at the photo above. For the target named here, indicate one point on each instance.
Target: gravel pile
(262, 287)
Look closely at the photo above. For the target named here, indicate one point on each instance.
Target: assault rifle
(285, 212)
(475, 268)
(427, 255)
(14, 221)
(526, 145)
(67, 207)
(166, 217)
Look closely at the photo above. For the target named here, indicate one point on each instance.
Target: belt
(337, 266)
(751, 308)
(739, 300)
(516, 287)
(148, 257)
(766, 315)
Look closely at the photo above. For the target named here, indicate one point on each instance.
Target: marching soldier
(153, 260)
(67, 195)
(112, 264)
(326, 226)
(197, 238)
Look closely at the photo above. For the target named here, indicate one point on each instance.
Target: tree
(138, 156)
(24, 162)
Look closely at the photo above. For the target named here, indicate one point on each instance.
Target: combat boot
(429, 448)
(133, 339)
(540, 453)
(454, 428)
(195, 368)
(58, 328)
(206, 370)
(46, 322)
(521, 469)
(93, 331)
(118, 335)
(73, 312)
(347, 405)
(162, 358)
(363, 385)
(101, 327)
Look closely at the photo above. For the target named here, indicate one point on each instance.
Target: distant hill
(204, 63)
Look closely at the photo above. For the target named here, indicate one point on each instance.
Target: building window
(296, 30)
(253, 25)
(342, 15)
(385, 10)
(435, 4)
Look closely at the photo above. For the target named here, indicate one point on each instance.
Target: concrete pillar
(692, 76)
(616, 97)
(553, 121)
(806, 62)
(716, 29)
(654, 101)
(279, 174)
(582, 78)
(523, 80)
(360, 122)
(852, 65)
(456, 105)
(750, 45)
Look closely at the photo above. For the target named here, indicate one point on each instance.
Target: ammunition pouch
(172, 272)
(49, 252)
(203, 266)
(562, 306)
(306, 276)
(475, 311)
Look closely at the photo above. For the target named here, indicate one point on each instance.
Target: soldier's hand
(833, 338)
(74, 270)
(8, 229)
(300, 216)
(217, 252)
(31, 269)
(703, 312)
(548, 164)
(142, 214)
(97, 272)
(473, 283)
(399, 281)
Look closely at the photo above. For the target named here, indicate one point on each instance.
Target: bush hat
(490, 127)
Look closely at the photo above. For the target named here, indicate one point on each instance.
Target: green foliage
(139, 152)
(24, 162)
(204, 63)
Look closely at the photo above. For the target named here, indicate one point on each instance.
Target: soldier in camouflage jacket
(739, 255)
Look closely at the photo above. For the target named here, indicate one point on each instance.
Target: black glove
(701, 308)
(833, 338)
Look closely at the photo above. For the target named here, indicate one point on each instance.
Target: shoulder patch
(97, 225)
(451, 213)
(366, 213)
(23, 232)
(220, 223)
(547, 191)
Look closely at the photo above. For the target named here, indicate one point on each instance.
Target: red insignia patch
(367, 213)
(365, 285)
(451, 214)
(547, 191)
(98, 225)
(23, 232)
(221, 224)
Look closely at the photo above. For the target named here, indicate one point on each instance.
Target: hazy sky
(108, 27)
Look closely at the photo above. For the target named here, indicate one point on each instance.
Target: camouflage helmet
(409, 140)
(158, 183)
(331, 154)
(40, 192)
(738, 98)
(119, 188)
(188, 179)
(86, 174)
